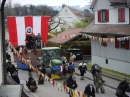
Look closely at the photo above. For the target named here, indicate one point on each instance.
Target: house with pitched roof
(110, 34)
(66, 17)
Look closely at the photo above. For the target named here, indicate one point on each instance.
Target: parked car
(77, 52)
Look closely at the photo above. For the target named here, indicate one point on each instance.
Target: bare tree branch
(52, 21)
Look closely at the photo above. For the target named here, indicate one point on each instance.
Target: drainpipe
(129, 12)
(3, 41)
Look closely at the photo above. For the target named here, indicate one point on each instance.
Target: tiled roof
(109, 29)
(75, 31)
(77, 12)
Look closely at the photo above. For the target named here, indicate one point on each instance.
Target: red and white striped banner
(21, 26)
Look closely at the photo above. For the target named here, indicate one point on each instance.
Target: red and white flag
(20, 26)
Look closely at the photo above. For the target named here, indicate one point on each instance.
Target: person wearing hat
(82, 67)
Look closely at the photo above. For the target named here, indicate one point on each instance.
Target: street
(52, 91)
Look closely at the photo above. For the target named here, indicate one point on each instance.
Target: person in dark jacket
(31, 84)
(42, 69)
(82, 68)
(34, 39)
(8, 56)
(11, 68)
(29, 41)
(89, 90)
(122, 88)
(15, 77)
(71, 83)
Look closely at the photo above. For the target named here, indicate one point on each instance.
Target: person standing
(82, 68)
(98, 82)
(64, 60)
(29, 41)
(89, 91)
(34, 39)
(39, 38)
(72, 57)
(71, 83)
(122, 88)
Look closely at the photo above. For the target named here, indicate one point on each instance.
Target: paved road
(52, 91)
(47, 90)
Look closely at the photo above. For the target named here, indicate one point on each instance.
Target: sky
(82, 3)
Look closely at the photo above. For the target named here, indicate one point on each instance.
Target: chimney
(63, 5)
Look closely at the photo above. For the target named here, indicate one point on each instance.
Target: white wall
(110, 51)
(1, 59)
(68, 16)
(113, 17)
(116, 65)
(102, 4)
(118, 59)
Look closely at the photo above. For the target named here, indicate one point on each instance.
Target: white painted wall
(118, 59)
(102, 4)
(68, 16)
(113, 17)
(115, 65)
(1, 59)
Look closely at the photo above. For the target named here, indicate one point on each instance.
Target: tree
(89, 1)
(9, 9)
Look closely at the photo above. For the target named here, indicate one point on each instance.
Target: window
(121, 15)
(122, 43)
(106, 61)
(104, 42)
(103, 16)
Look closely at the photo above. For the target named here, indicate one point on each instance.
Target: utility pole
(3, 41)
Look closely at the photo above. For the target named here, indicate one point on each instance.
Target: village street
(47, 90)
(52, 91)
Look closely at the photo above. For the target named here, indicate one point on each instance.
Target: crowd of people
(33, 41)
(123, 90)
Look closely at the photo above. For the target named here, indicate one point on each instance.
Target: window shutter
(119, 15)
(99, 16)
(104, 43)
(116, 42)
(123, 14)
(127, 44)
(107, 15)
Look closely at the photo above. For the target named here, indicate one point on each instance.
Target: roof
(69, 9)
(118, 1)
(113, 2)
(77, 12)
(50, 48)
(107, 29)
(75, 31)
(93, 4)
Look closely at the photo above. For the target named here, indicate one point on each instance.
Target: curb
(92, 80)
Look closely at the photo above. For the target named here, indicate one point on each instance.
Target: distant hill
(73, 7)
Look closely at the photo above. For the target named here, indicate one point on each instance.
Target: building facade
(66, 17)
(110, 34)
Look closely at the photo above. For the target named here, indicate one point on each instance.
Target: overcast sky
(52, 2)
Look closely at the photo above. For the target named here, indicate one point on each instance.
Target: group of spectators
(33, 41)
(12, 69)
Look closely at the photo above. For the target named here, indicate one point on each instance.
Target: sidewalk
(108, 81)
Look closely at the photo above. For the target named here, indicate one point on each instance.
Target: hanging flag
(21, 26)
